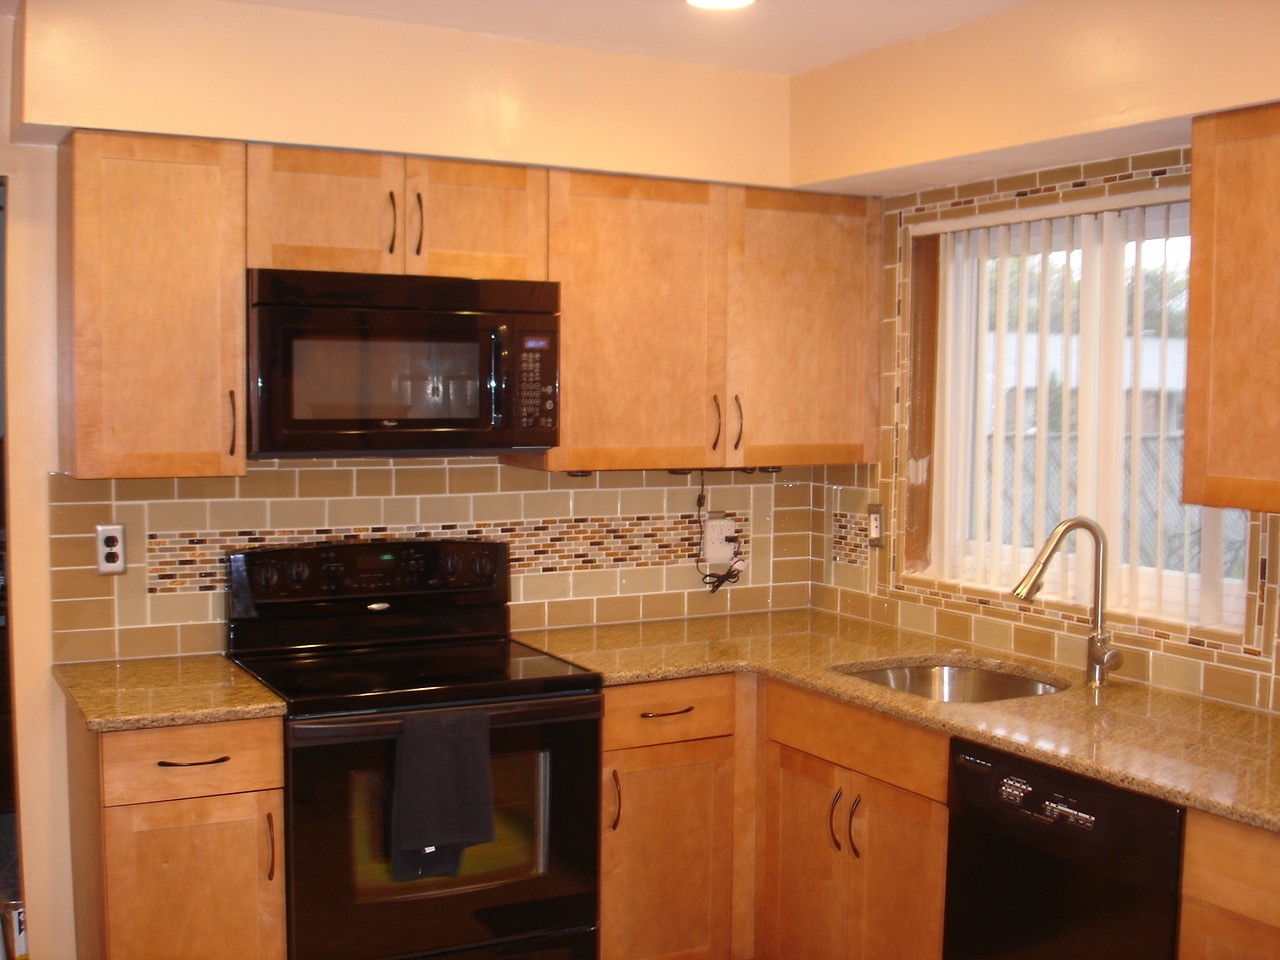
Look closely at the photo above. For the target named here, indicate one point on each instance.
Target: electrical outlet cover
(716, 547)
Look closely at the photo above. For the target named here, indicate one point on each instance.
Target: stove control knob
(297, 570)
(450, 563)
(482, 566)
(266, 576)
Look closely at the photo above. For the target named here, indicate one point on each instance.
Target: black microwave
(356, 365)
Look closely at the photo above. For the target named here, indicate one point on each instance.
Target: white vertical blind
(1062, 364)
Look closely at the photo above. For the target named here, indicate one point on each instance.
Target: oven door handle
(331, 730)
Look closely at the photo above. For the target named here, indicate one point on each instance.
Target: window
(1061, 375)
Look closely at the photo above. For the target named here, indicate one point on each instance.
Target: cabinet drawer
(667, 711)
(203, 759)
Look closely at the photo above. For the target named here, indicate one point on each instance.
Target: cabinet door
(1206, 932)
(897, 875)
(199, 879)
(1231, 456)
(152, 306)
(666, 851)
(475, 220)
(642, 266)
(804, 901)
(803, 333)
(326, 210)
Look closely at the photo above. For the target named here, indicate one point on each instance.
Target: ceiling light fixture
(719, 4)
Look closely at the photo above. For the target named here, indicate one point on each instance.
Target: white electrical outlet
(718, 541)
(109, 547)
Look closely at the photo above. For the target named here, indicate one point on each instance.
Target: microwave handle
(497, 375)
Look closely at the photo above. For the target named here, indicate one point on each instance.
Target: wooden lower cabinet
(178, 841)
(668, 821)
(1230, 891)
(854, 867)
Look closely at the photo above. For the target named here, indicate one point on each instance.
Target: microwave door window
(360, 378)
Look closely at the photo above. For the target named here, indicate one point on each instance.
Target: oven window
(384, 378)
(518, 850)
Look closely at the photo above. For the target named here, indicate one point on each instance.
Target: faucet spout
(1100, 658)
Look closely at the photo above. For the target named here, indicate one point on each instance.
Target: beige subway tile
(352, 512)
(497, 506)
(1033, 643)
(662, 606)
(1135, 666)
(594, 583)
(467, 479)
(920, 216)
(791, 571)
(1160, 159)
(297, 514)
(374, 482)
(703, 603)
(643, 580)
(77, 646)
(940, 195)
(1021, 181)
(177, 515)
(202, 638)
(238, 515)
(787, 546)
(80, 583)
(883, 610)
(979, 188)
(595, 503)
(570, 613)
(746, 599)
(992, 634)
(856, 604)
(269, 484)
(893, 204)
(1058, 175)
(520, 480)
(639, 503)
(997, 206)
(66, 489)
(618, 609)
(552, 505)
(1083, 193)
(71, 551)
(620, 479)
(450, 509)
(1105, 168)
(916, 617)
(565, 481)
(1173, 181)
(185, 608)
(400, 511)
(1175, 673)
(1236, 686)
(791, 520)
(326, 484)
(420, 481)
(954, 626)
(528, 616)
(77, 518)
(793, 495)
(546, 586)
(96, 613)
(207, 488)
(149, 642)
(1137, 185)
(790, 596)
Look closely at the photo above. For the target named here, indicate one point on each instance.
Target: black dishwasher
(1047, 865)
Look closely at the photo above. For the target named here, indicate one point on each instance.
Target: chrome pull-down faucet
(1100, 658)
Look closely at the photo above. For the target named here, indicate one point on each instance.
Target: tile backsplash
(609, 547)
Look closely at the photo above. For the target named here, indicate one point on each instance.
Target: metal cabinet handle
(192, 763)
(853, 808)
(669, 713)
(742, 421)
(394, 224)
(617, 796)
(831, 818)
(271, 839)
(422, 225)
(231, 395)
(715, 399)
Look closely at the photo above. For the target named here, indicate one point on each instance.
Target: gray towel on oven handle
(442, 797)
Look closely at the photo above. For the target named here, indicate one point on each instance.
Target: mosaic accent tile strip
(850, 539)
(191, 561)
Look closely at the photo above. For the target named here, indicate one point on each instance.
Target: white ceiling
(773, 36)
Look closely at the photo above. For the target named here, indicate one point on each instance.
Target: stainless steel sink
(953, 681)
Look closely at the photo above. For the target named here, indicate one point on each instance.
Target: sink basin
(953, 682)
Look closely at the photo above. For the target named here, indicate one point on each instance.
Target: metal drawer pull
(192, 763)
(831, 818)
(853, 808)
(271, 839)
(669, 713)
(394, 218)
(617, 794)
(422, 226)
(742, 421)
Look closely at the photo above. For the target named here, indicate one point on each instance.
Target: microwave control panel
(537, 380)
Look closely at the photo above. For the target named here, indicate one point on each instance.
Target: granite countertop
(164, 692)
(1200, 753)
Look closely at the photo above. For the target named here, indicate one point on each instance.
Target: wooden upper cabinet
(707, 326)
(151, 306)
(1232, 442)
(803, 330)
(641, 265)
(313, 209)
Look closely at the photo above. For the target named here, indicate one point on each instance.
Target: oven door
(531, 891)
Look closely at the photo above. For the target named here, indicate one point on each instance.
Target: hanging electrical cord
(714, 581)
